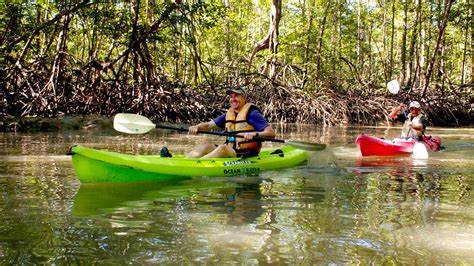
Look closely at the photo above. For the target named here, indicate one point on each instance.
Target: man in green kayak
(242, 118)
(415, 121)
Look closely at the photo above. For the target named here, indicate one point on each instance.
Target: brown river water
(335, 209)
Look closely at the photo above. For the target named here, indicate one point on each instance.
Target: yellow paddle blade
(132, 123)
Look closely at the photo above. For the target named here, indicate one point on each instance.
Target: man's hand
(249, 135)
(201, 126)
(400, 107)
(193, 130)
(393, 115)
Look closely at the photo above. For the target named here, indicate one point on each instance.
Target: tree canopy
(171, 59)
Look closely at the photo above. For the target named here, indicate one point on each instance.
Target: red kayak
(372, 146)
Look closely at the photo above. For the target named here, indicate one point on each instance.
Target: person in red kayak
(414, 121)
(242, 118)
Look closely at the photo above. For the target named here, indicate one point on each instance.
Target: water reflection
(418, 209)
(384, 164)
(92, 199)
(245, 204)
(335, 210)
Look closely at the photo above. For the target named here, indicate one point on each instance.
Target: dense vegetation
(312, 61)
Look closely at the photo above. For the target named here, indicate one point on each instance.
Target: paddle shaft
(137, 124)
(226, 134)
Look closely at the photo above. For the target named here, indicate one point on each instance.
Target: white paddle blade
(393, 86)
(132, 123)
(420, 151)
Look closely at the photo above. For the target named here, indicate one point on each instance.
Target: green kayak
(92, 165)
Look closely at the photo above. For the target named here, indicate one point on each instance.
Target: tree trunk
(320, 41)
(384, 55)
(339, 42)
(270, 41)
(136, 40)
(411, 53)
(227, 36)
(472, 43)
(403, 52)
(444, 22)
(463, 70)
(359, 33)
(307, 49)
(392, 37)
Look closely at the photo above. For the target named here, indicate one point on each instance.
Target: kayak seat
(70, 152)
(165, 153)
(279, 152)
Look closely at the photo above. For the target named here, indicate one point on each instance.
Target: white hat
(415, 104)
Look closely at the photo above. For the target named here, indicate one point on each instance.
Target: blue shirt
(255, 119)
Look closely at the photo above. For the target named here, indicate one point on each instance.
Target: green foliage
(335, 43)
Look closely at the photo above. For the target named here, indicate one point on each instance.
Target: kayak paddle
(137, 124)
